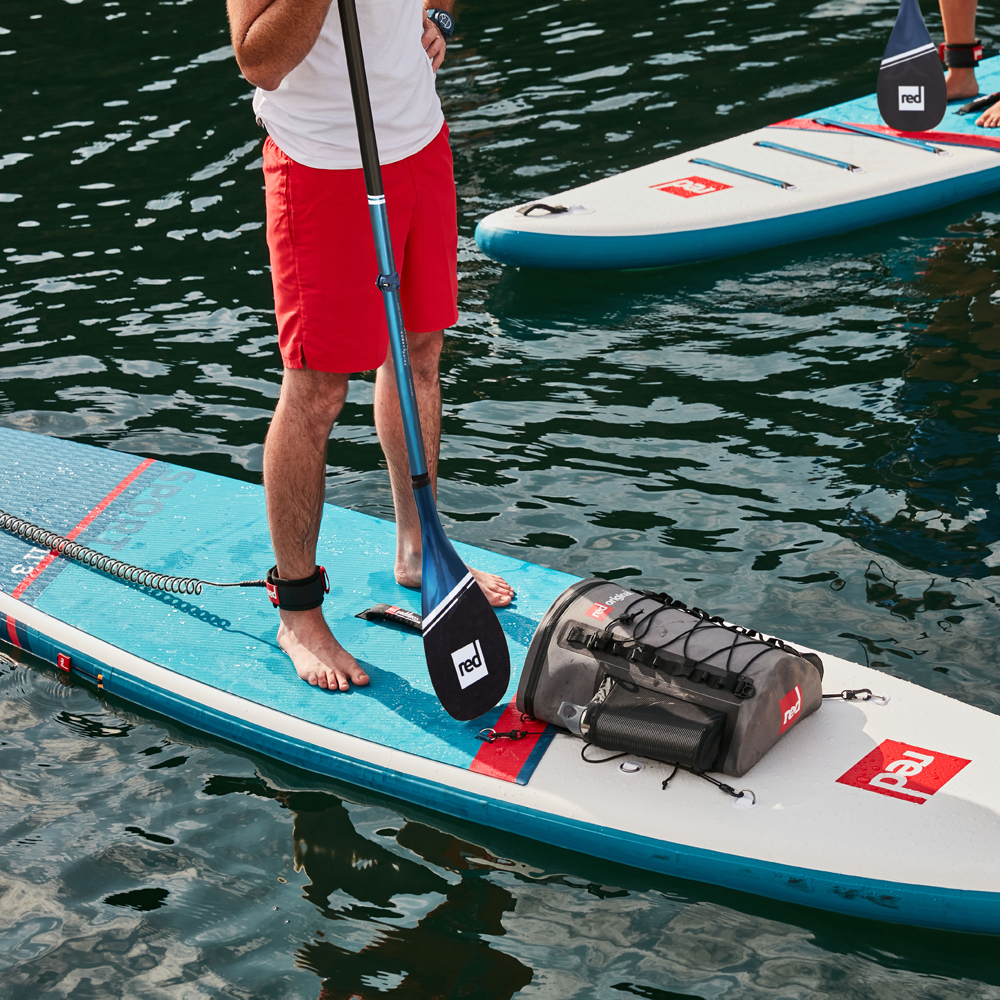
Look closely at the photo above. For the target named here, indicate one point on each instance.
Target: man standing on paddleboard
(330, 314)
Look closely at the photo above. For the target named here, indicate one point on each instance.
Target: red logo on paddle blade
(903, 771)
(598, 611)
(791, 708)
(691, 187)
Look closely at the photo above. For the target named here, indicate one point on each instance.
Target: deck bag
(639, 672)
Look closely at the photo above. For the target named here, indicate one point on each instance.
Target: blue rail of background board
(215, 528)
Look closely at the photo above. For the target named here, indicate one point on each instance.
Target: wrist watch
(444, 20)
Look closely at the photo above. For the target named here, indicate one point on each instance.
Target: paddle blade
(464, 645)
(466, 652)
(912, 95)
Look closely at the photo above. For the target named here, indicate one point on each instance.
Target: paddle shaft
(388, 279)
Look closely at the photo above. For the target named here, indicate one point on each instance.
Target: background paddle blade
(912, 95)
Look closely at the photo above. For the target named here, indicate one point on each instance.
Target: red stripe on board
(505, 758)
(946, 138)
(40, 568)
(12, 632)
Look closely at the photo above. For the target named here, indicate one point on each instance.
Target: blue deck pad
(200, 525)
(864, 111)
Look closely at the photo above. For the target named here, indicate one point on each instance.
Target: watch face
(444, 21)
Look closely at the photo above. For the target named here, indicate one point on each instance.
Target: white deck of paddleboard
(804, 818)
(631, 204)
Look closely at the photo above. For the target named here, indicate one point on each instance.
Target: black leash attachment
(298, 595)
(979, 104)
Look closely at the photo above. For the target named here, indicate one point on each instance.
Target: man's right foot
(318, 658)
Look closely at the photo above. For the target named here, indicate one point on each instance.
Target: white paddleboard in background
(799, 179)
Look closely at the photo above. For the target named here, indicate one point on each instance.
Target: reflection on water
(947, 467)
(804, 440)
(191, 869)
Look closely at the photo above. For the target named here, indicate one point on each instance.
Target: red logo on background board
(790, 707)
(691, 187)
(903, 771)
(598, 611)
(64, 662)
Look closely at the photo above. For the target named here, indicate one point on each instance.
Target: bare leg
(959, 18)
(425, 354)
(294, 468)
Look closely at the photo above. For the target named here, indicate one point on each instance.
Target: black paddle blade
(912, 95)
(464, 645)
(466, 652)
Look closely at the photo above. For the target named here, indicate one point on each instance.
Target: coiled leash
(289, 595)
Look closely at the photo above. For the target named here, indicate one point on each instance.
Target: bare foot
(961, 83)
(990, 118)
(497, 590)
(316, 654)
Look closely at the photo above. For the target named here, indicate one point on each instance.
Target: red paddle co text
(905, 772)
(602, 610)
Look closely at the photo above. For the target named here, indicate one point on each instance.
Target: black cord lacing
(103, 563)
(742, 637)
(721, 785)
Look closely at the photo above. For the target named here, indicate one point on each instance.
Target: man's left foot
(496, 589)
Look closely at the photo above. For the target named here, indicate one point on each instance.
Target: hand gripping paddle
(912, 94)
(464, 644)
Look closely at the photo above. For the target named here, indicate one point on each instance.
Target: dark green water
(805, 440)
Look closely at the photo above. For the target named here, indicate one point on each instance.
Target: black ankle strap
(297, 595)
(963, 56)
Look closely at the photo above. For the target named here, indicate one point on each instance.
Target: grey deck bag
(640, 672)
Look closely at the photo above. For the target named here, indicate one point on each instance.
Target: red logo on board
(903, 771)
(598, 611)
(790, 707)
(64, 662)
(691, 187)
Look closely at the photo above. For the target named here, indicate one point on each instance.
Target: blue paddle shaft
(389, 284)
(441, 567)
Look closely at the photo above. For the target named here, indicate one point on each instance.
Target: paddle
(464, 644)
(912, 95)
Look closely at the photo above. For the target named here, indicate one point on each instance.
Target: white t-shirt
(311, 114)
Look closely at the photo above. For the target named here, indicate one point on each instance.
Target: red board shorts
(330, 315)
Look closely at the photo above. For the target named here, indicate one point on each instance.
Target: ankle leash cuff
(964, 56)
(297, 595)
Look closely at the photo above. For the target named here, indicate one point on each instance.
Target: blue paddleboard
(886, 811)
